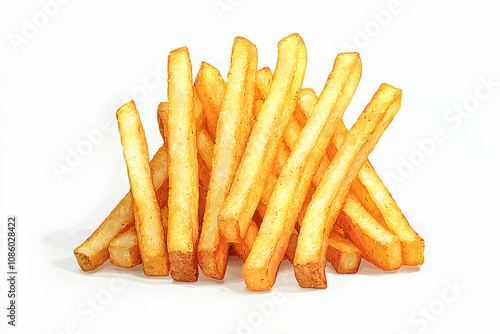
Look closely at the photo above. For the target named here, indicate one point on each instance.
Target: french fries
(124, 249)
(232, 130)
(373, 194)
(246, 190)
(259, 271)
(183, 197)
(257, 167)
(376, 198)
(150, 234)
(309, 262)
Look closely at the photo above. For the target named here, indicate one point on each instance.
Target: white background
(68, 74)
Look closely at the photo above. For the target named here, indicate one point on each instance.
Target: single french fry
(260, 269)
(232, 129)
(379, 246)
(327, 202)
(249, 182)
(344, 256)
(245, 246)
(210, 87)
(124, 249)
(94, 251)
(146, 209)
(183, 172)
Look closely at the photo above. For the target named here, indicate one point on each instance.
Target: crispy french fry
(232, 129)
(146, 209)
(309, 262)
(249, 182)
(260, 269)
(378, 245)
(183, 172)
(344, 256)
(94, 251)
(124, 249)
(210, 87)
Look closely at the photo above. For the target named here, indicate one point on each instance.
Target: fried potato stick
(147, 217)
(260, 269)
(183, 228)
(232, 130)
(249, 182)
(327, 202)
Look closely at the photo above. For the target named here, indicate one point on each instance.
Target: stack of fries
(257, 167)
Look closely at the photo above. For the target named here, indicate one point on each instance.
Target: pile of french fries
(257, 167)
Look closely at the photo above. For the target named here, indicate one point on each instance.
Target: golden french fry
(344, 256)
(146, 209)
(309, 262)
(232, 129)
(124, 249)
(378, 245)
(249, 182)
(183, 172)
(260, 269)
(94, 251)
(210, 87)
